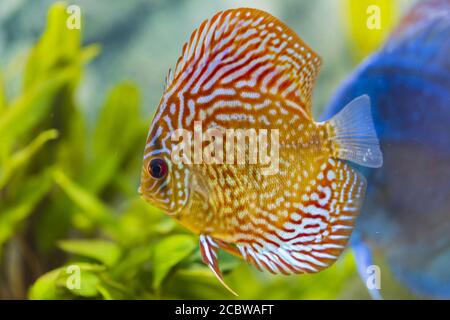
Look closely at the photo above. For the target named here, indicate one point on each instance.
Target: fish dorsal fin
(246, 54)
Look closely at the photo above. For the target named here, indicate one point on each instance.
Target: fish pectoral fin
(208, 249)
(354, 136)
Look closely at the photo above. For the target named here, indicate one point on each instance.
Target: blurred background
(75, 106)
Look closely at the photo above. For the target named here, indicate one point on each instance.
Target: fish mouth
(174, 208)
(157, 204)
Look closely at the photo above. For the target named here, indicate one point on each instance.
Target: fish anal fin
(208, 249)
(231, 249)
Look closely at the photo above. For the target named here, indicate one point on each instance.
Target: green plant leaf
(5, 145)
(168, 253)
(121, 110)
(45, 287)
(54, 284)
(2, 95)
(31, 194)
(116, 135)
(90, 205)
(130, 264)
(52, 71)
(89, 283)
(104, 292)
(141, 221)
(104, 251)
(22, 157)
(57, 48)
(31, 107)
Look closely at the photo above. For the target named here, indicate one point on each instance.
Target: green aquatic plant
(69, 205)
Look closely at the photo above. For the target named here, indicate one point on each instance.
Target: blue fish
(406, 214)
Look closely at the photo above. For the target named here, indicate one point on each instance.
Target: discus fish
(406, 213)
(244, 68)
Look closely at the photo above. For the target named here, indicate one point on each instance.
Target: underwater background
(75, 106)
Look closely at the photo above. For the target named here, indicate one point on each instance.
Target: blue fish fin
(353, 132)
(364, 260)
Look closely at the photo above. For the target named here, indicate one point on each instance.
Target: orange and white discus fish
(244, 68)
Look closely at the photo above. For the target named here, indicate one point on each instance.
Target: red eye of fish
(158, 168)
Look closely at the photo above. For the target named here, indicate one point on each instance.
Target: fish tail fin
(354, 136)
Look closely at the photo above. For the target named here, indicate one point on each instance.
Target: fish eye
(158, 168)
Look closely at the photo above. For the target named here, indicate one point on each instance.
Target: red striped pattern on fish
(244, 69)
